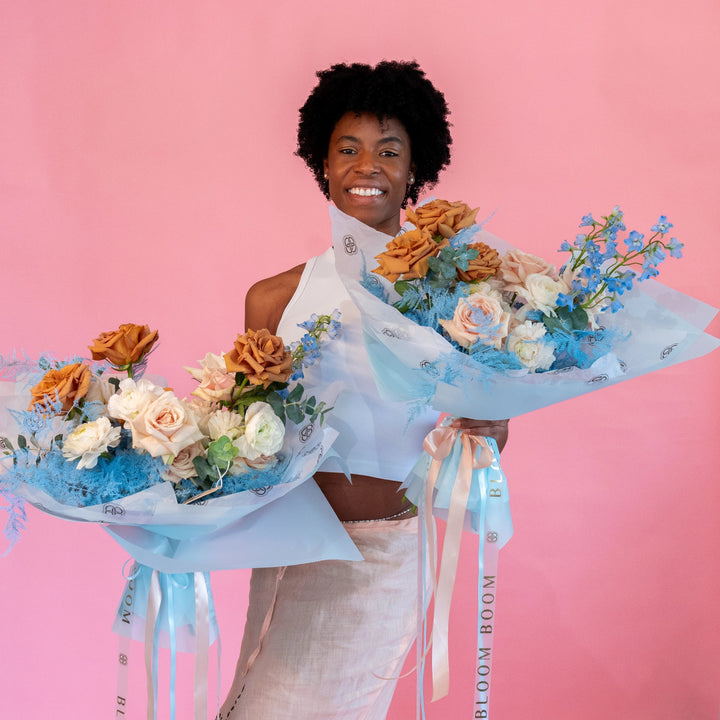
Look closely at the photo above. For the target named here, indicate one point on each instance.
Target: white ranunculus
(132, 398)
(541, 292)
(89, 440)
(264, 432)
(223, 422)
(531, 345)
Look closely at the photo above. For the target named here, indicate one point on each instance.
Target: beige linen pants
(339, 633)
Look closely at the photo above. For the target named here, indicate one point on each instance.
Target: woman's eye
(388, 153)
(347, 151)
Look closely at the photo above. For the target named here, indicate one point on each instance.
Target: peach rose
(485, 265)
(406, 255)
(164, 427)
(216, 384)
(124, 346)
(441, 217)
(480, 317)
(515, 266)
(260, 357)
(65, 385)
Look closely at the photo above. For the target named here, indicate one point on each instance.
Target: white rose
(541, 292)
(223, 422)
(101, 390)
(164, 427)
(201, 410)
(533, 349)
(89, 440)
(264, 433)
(132, 398)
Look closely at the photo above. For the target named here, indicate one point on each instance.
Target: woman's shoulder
(267, 298)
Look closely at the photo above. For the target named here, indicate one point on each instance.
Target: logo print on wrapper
(429, 368)
(123, 659)
(306, 432)
(350, 245)
(598, 379)
(113, 510)
(261, 491)
(666, 351)
(492, 536)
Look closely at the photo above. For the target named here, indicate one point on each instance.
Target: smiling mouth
(366, 192)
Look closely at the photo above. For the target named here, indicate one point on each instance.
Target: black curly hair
(390, 89)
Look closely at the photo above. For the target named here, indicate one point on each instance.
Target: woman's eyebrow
(383, 140)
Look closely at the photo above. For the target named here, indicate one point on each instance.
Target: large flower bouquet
(456, 318)
(215, 481)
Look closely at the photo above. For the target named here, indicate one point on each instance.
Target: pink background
(148, 175)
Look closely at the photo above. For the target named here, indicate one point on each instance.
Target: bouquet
(458, 319)
(185, 485)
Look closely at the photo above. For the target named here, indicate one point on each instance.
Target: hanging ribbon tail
(174, 611)
(460, 480)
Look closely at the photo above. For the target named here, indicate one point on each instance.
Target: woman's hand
(497, 429)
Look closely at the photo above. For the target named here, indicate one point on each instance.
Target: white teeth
(365, 192)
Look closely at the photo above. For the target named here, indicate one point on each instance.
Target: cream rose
(132, 398)
(182, 466)
(479, 317)
(264, 433)
(89, 440)
(223, 422)
(516, 266)
(529, 342)
(216, 383)
(164, 427)
(541, 292)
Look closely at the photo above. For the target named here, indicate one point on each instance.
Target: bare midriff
(366, 498)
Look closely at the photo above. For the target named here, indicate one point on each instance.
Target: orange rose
(260, 357)
(65, 385)
(407, 255)
(124, 346)
(441, 217)
(485, 265)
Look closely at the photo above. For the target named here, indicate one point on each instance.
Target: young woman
(325, 641)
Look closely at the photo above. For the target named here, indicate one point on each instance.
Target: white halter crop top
(376, 437)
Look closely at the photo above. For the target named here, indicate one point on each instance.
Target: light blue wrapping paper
(662, 327)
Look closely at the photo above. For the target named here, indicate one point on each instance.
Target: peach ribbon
(438, 444)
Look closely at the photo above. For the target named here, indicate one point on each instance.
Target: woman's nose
(366, 163)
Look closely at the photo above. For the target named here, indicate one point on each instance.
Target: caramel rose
(406, 255)
(124, 346)
(442, 217)
(65, 385)
(260, 357)
(485, 265)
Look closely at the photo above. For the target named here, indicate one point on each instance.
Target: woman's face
(368, 168)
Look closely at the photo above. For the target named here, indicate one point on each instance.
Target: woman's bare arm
(267, 299)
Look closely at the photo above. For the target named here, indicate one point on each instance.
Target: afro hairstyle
(390, 89)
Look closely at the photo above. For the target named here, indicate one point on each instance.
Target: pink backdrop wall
(148, 175)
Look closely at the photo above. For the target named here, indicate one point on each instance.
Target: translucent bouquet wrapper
(459, 477)
(167, 600)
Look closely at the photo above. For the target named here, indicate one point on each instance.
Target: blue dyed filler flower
(662, 225)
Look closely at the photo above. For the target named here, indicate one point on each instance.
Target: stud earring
(325, 176)
(411, 179)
